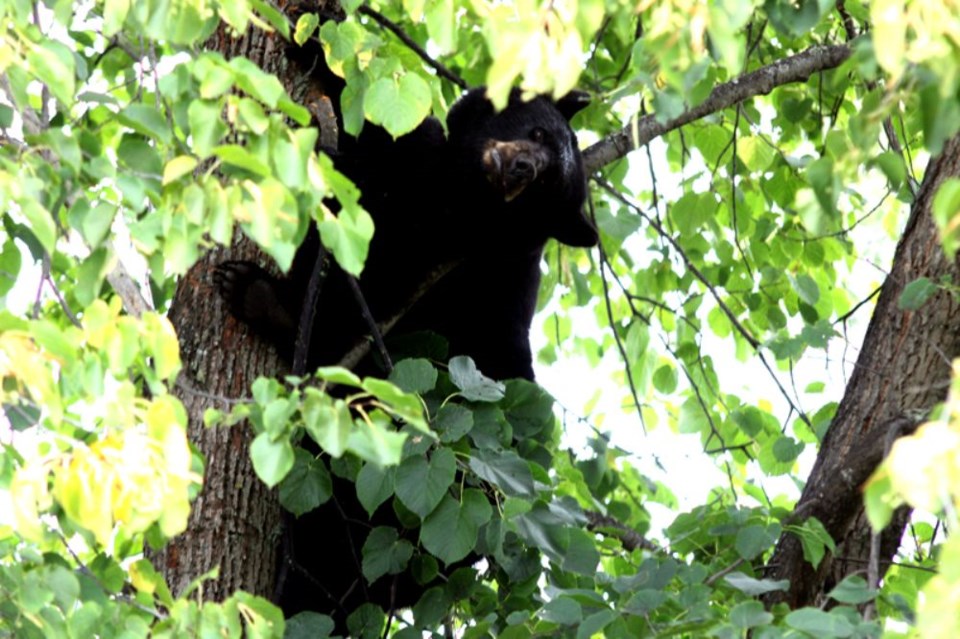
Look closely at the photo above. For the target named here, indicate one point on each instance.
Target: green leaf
(272, 460)
(178, 167)
(240, 157)
(146, 120)
(93, 224)
(274, 17)
(90, 277)
(880, 500)
(565, 611)
(366, 622)
(375, 440)
(750, 614)
(398, 106)
(441, 24)
(307, 485)
(206, 127)
(814, 539)
(916, 293)
(473, 385)
(348, 233)
(338, 375)
(63, 584)
(505, 470)
(66, 147)
(819, 623)
(251, 114)
(384, 553)
(821, 177)
(806, 288)
(450, 531)
(453, 421)
(405, 406)
(754, 587)
(306, 26)
(414, 375)
(642, 602)
(796, 18)
(581, 556)
(786, 449)
(308, 625)
(216, 78)
(114, 14)
(753, 540)
(946, 213)
(422, 484)
(10, 260)
(52, 63)
(135, 152)
(328, 423)
(893, 168)
(236, 13)
(755, 153)
(40, 223)
(256, 82)
(665, 379)
(853, 590)
(596, 622)
(375, 485)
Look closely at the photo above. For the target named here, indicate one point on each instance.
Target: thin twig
(371, 322)
(734, 321)
(359, 350)
(309, 311)
(441, 70)
(627, 367)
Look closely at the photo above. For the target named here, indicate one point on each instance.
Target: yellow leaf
(889, 31)
(178, 167)
(30, 494)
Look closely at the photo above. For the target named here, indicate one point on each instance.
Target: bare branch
(797, 68)
(124, 286)
(612, 527)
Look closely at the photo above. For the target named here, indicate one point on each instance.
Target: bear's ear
(572, 103)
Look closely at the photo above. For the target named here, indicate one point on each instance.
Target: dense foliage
(736, 242)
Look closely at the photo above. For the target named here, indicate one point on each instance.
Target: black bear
(487, 197)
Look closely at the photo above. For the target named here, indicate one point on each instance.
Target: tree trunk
(235, 524)
(903, 370)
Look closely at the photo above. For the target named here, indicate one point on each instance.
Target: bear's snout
(511, 166)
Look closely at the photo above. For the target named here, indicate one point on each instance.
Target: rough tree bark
(902, 371)
(235, 524)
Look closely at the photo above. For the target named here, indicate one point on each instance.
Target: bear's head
(524, 163)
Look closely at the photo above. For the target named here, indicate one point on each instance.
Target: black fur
(434, 201)
(488, 196)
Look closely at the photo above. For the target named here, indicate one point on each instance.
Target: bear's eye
(537, 134)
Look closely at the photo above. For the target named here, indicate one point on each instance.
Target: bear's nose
(523, 168)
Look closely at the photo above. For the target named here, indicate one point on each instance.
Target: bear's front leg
(258, 299)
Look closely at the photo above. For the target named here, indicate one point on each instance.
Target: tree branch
(362, 347)
(797, 68)
(612, 527)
